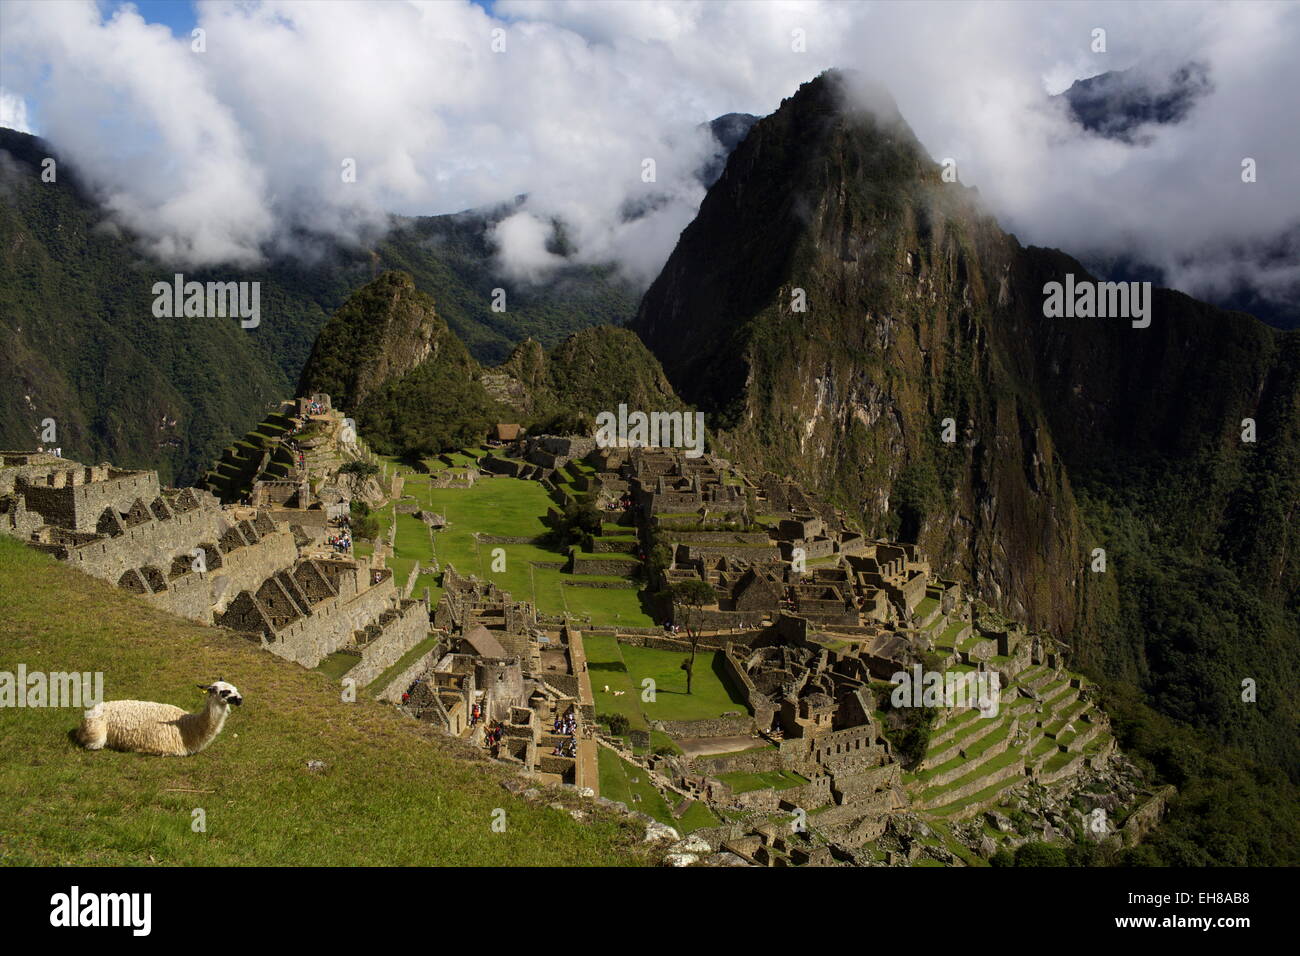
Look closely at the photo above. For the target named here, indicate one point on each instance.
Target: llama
(142, 726)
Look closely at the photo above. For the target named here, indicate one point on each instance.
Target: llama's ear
(203, 687)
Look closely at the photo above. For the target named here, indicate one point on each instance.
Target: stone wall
(397, 686)
(710, 727)
(403, 632)
(841, 751)
(594, 565)
(1141, 821)
(79, 506)
(743, 554)
(809, 796)
(764, 709)
(309, 640)
(167, 544)
(759, 760)
(711, 642)
(853, 787)
(709, 619)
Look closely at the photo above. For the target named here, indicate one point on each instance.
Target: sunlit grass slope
(391, 791)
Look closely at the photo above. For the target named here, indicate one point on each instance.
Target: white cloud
(234, 152)
(521, 242)
(13, 112)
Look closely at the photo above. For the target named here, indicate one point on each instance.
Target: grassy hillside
(391, 792)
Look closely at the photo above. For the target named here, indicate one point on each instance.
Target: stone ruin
(815, 621)
(521, 679)
(249, 568)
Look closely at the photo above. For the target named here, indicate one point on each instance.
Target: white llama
(142, 726)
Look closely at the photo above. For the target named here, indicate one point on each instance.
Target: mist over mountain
(1130, 106)
(241, 160)
(83, 346)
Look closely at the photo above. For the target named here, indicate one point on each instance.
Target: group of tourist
(566, 724)
(475, 715)
(623, 503)
(492, 738)
(341, 542)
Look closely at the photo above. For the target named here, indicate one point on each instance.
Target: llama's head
(223, 693)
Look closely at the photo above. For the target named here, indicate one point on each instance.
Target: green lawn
(338, 664)
(506, 507)
(711, 691)
(406, 660)
(624, 667)
(410, 544)
(606, 668)
(393, 791)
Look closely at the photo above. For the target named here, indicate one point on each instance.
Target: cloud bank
(240, 151)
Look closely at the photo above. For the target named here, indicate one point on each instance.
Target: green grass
(623, 667)
(949, 636)
(411, 543)
(933, 794)
(606, 668)
(506, 507)
(741, 782)
(337, 664)
(711, 691)
(732, 753)
(394, 792)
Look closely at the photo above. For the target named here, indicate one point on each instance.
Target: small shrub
(617, 723)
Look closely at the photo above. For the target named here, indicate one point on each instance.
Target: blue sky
(178, 15)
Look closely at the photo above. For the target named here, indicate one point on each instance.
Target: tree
(364, 524)
(362, 469)
(579, 520)
(693, 595)
(1037, 853)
